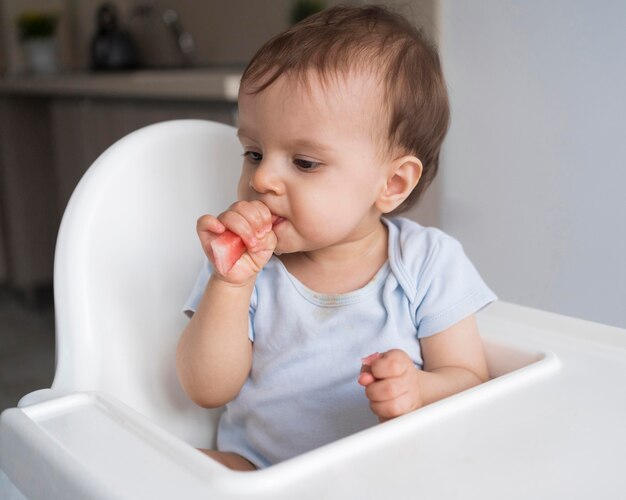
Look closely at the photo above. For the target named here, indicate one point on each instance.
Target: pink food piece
(228, 248)
(368, 360)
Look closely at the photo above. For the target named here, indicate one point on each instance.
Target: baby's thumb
(366, 378)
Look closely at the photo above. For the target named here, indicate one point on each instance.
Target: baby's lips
(368, 360)
(277, 219)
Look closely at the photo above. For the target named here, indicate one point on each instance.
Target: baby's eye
(253, 156)
(306, 164)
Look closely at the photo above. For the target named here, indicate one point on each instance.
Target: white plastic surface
(127, 255)
(110, 451)
(549, 429)
(117, 426)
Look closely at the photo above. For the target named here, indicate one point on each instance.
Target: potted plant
(37, 34)
(301, 9)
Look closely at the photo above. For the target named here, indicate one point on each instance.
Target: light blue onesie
(302, 391)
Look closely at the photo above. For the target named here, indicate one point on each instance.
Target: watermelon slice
(228, 248)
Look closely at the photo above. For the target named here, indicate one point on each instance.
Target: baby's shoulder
(410, 241)
(417, 253)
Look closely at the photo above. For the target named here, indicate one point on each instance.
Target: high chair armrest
(39, 396)
(89, 445)
(549, 424)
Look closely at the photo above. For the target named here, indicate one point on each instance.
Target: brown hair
(342, 38)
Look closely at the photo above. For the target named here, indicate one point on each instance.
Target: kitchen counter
(213, 84)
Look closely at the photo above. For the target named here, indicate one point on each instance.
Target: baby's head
(410, 98)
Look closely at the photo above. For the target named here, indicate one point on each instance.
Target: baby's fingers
(209, 224)
(391, 409)
(366, 377)
(251, 221)
(386, 390)
(208, 228)
(394, 363)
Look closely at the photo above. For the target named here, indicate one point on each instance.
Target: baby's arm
(454, 360)
(214, 354)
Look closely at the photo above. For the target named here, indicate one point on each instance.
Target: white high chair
(116, 425)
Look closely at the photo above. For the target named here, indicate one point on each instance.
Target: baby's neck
(341, 268)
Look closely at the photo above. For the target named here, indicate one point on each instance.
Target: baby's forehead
(350, 100)
(333, 85)
(355, 94)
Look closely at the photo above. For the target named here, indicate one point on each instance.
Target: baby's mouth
(277, 219)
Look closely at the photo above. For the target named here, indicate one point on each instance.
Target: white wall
(535, 163)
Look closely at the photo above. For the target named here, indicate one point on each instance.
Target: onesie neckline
(341, 299)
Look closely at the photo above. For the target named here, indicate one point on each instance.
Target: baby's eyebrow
(310, 143)
(242, 133)
(302, 142)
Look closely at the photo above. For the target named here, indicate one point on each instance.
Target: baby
(338, 315)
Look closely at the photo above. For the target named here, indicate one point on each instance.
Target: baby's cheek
(244, 191)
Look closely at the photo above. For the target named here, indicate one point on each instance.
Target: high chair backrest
(126, 258)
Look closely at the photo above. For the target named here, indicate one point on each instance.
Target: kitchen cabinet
(27, 192)
(84, 128)
(47, 142)
(4, 270)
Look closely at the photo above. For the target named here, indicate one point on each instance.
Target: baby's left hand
(391, 383)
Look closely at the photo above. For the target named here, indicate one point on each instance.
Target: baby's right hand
(252, 222)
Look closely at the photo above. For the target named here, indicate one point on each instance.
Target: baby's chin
(280, 250)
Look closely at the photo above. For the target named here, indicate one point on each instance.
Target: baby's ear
(405, 173)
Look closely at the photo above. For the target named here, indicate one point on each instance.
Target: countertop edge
(214, 86)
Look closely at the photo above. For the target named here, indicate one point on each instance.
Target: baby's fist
(239, 242)
(391, 383)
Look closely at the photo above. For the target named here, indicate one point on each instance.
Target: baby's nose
(266, 179)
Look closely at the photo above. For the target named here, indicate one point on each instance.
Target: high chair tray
(549, 424)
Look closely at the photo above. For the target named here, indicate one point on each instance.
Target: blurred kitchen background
(531, 178)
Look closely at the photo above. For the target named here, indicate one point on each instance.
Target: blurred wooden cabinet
(46, 145)
(84, 128)
(27, 192)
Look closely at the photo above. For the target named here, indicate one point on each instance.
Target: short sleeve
(191, 304)
(449, 288)
(198, 289)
